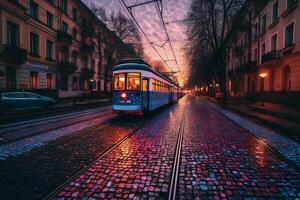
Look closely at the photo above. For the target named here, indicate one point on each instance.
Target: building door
(145, 96)
(286, 79)
(11, 82)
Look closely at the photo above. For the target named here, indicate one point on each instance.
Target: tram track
(177, 157)
(107, 151)
(98, 114)
(18, 117)
(176, 165)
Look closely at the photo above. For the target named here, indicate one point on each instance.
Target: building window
(85, 62)
(64, 6)
(65, 27)
(49, 19)
(34, 9)
(74, 33)
(290, 3)
(289, 35)
(275, 12)
(263, 49)
(264, 23)
(13, 34)
(64, 82)
(255, 55)
(34, 80)
(274, 42)
(74, 59)
(49, 81)
(49, 49)
(34, 44)
(74, 83)
(74, 13)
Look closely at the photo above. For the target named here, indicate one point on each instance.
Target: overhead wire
(129, 11)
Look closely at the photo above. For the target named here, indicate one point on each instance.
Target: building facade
(265, 55)
(54, 47)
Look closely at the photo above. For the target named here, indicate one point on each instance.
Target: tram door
(145, 85)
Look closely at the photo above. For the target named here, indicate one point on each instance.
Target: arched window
(286, 79)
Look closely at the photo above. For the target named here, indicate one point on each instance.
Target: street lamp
(263, 76)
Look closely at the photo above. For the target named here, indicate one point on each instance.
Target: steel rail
(58, 127)
(67, 116)
(98, 158)
(177, 157)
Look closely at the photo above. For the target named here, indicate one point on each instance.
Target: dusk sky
(148, 18)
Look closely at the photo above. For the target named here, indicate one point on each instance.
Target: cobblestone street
(190, 150)
(216, 162)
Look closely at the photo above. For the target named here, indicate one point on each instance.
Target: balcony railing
(13, 54)
(63, 36)
(86, 48)
(272, 55)
(66, 67)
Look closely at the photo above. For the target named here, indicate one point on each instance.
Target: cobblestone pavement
(29, 143)
(285, 146)
(220, 160)
(15, 131)
(34, 174)
(140, 167)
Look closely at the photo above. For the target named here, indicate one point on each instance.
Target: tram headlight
(123, 95)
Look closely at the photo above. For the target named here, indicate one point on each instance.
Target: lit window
(133, 81)
(49, 81)
(34, 80)
(119, 82)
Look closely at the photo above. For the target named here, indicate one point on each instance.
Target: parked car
(21, 100)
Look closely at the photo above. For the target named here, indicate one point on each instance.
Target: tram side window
(119, 83)
(133, 81)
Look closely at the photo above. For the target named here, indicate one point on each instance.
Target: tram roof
(141, 66)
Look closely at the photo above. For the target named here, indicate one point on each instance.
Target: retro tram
(139, 89)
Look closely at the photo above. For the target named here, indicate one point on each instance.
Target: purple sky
(147, 17)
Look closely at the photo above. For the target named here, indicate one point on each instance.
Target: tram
(139, 89)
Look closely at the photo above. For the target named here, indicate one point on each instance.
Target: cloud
(147, 17)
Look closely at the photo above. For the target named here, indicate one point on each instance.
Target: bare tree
(122, 39)
(211, 26)
(158, 65)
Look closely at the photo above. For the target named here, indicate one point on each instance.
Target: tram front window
(133, 81)
(119, 83)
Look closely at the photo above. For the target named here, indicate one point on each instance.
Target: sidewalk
(62, 106)
(281, 118)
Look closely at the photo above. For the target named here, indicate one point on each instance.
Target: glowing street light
(263, 76)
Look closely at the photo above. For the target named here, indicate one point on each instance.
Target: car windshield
(133, 81)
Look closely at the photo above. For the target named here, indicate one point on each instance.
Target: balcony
(66, 67)
(64, 37)
(272, 55)
(13, 54)
(86, 48)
